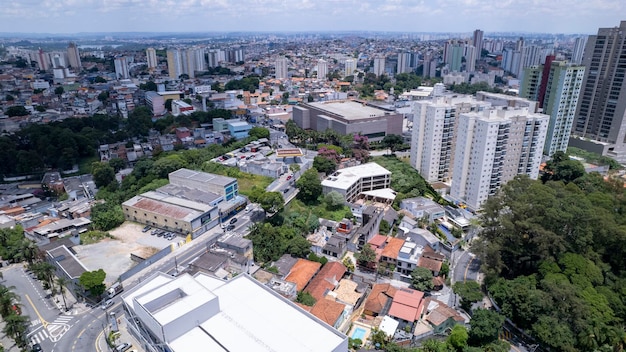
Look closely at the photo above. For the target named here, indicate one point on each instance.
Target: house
(440, 316)
(331, 312)
(406, 306)
(421, 207)
(326, 280)
(379, 300)
(302, 272)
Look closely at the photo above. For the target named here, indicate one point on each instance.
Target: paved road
(467, 267)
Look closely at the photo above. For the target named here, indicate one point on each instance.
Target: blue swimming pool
(358, 333)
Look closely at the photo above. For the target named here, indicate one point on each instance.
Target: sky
(458, 16)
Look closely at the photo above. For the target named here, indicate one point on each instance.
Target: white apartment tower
(350, 67)
(151, 58)
(379, 65)
(121, 68)
(434, 134)
(281, 68)
(579, 49)
(403, 62)
(322, 69)
(492, 147)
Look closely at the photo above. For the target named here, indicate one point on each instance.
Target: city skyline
(85, 16)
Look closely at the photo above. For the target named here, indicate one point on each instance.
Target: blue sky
(72, 16)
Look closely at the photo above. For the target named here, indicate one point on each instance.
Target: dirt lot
(113, 255)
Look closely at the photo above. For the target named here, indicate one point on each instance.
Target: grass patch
(319, 209)
(91, 237)
(245, 180)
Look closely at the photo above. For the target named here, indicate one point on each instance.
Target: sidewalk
(124, 336)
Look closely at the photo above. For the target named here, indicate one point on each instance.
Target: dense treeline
(554, 256)
(63, 144)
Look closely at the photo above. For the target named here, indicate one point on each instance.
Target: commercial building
(495, 145)
(348, 116)
(180, 107)
(225, 187)
(155, 103)
(352, 181)
(556, 86)
(179, 314)
(434, 133)
(239, 129)
(600, 124)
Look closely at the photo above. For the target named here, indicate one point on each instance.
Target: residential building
(349, 116)
(556, 86)
(601, 114)
(477, 41)
(180, 107)
(379, 65)
(406, 306)
(350, 67)
(422, 207)
(302, 272)
(579, 50)
(322, 69)
(239, 129)
(495, 145)
(434, 133)
(121, 68)
(151, 58)
(73, 56)
(174, 63)
(403, 63)
(155, 103)
(379, 300)
(179, 314)
(281, 68)
(352, 181)
(325, 280)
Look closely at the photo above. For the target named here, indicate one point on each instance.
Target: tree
(99, 79)
(422, 279)
(271, 202)
(93, 281)
(458, 337)
(44, 271)
(9, 97)
(392, 142)
(59, 91)
(106, 216)
(164, 166)
(334, 200)
(259, 132)
(16, 111)
(384, 227)
(40, 108)
(485, 326)
(149, 86)
(7, 300)
(348, 263)
(103, 97)
(305, 298)
(310, 186)
(324, 165)
(470, 293)
(117, 164)
(16, 327)
(366, 257)
(103, 174)
(299, 246)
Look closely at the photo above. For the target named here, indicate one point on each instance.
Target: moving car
(37, 348)
(230, 227)
(233, 220)
(107, 304)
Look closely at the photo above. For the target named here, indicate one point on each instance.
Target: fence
(146, 263)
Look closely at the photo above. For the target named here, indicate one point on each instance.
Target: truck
(115, 289)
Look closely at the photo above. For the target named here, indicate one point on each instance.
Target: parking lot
(113, 255)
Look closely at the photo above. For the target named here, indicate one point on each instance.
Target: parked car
(285, 190)
(289, 177)
(146, 229)
(107, 304)
(230, 227)
(123, 347)
(37, 348)
(233, 220)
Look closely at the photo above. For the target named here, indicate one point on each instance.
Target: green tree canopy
(485, 326)
(334, 200)
(325, 165)
(422, 279)
(103, 174)
(259, 132)
(470, 293)
(17, 110)
(271, 202)
(392, 142)
(93, 281)
(310, 186)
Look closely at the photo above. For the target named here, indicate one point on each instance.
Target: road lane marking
(43, 321)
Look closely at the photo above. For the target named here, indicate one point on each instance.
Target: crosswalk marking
(63, 319)
(35, 322)
(39, 336)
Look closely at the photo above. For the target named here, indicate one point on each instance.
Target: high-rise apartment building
(322, 69)
(174, 63)
(434, 134)
(556, 86)
(379, 65)
(494, 145)
(470, 58)
(478, 41)
(350, 67)
(579, 49)
(281, 68)
(151, 58)
(73, 56)
(601, 113)
(121, 68)
(215, 57)
(42, 60)
(404, 62)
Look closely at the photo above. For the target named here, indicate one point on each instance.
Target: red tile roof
(302, 272)
(430, 264)
(407, 304)
(378, 240)
(326, 279)
(392, 248)
(378, 297)
(328, 311)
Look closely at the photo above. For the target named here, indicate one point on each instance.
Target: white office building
(201, 312)
(350, 182)
(495, 145)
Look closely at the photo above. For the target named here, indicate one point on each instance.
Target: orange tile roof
(328, 311)
(393, 247)
(378, 240)
(430, 264)
(302, 272)
(325, 279)
(378, 297)
(407, 304)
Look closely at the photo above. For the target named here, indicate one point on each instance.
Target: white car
(107, 304)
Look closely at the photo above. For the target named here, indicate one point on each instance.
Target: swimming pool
(358, 333)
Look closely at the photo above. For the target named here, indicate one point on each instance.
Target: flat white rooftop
(349, 110)
(344, 178)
